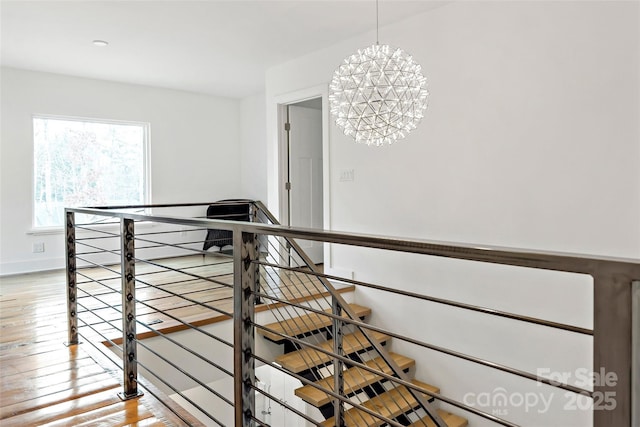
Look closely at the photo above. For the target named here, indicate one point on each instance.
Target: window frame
(146, 156)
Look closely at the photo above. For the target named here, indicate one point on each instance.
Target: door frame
(321, 91)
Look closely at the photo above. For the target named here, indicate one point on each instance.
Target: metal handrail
(339, 300)
(613, 281)
(546, 260)
(479, 309)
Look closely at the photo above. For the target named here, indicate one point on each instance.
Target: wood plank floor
(45, 383)
(184, 292)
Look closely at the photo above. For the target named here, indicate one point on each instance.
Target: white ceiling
(219, 47)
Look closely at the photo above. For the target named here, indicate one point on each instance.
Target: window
(85, 162)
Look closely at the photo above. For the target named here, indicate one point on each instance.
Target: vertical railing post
(72, 303)
(338, 364)
(253, 217)
(245, 252)
(253, 212)
(612, 350)
(635, 356)
(129, 336)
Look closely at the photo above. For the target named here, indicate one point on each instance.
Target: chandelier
(378, 94)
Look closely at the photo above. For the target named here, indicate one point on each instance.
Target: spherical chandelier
(378, 95)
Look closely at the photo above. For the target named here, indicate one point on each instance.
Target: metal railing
(268, 272)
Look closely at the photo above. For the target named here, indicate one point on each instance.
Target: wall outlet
(347, 175)
(38, 247)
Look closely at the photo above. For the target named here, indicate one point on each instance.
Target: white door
(305, 174)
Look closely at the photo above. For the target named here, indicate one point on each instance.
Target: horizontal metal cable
(305, 381)
(106, 305)
(161, 289)
(182, 346)
(473, 359)
(162, 399)
(177, 245)
(498, 366)
(189, 325)
(198, 303)
(94, 296)
(186, 268)
(364, 341)
(327, 287)
(178, 392)
(107, 339)
(320, 290)
(138, 274)
(113, 251)
(287, 303)
(96, 230)
(174, 245)
(102, 348)
(485, 310)
(347, 320)
(102, 351)
(166, 313)
(330, 392)
(182, 371)
(388, 377)
(95, 264)
(276, 311)
(91, 279)
(345, 359)
(193, 277)
(283, 403)
(177, 270)
(190, 280)
(436, 300)
(298, 275)
(119, 365)
(149, 349)
(100, 222)
(95, 252)
(441, 349)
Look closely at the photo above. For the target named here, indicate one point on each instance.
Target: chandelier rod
(377, 24)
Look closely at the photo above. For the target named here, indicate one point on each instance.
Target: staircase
(363, 387)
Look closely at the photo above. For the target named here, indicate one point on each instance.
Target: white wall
(253, 151)
(195, 148)
(531, 140)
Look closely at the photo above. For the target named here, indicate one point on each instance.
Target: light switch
(347, 175)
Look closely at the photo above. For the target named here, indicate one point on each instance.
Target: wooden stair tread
(390, 404)
(301, 360)
(307, 323)
(451, 420)
(354, 379)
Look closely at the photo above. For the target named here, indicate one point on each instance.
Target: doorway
(304, 171)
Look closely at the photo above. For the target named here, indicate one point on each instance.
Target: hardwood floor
(45, 383)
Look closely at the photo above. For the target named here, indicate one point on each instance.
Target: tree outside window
(80, 162)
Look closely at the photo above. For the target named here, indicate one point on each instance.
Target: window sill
(44, 231)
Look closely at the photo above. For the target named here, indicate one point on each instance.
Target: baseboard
(31, 266)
